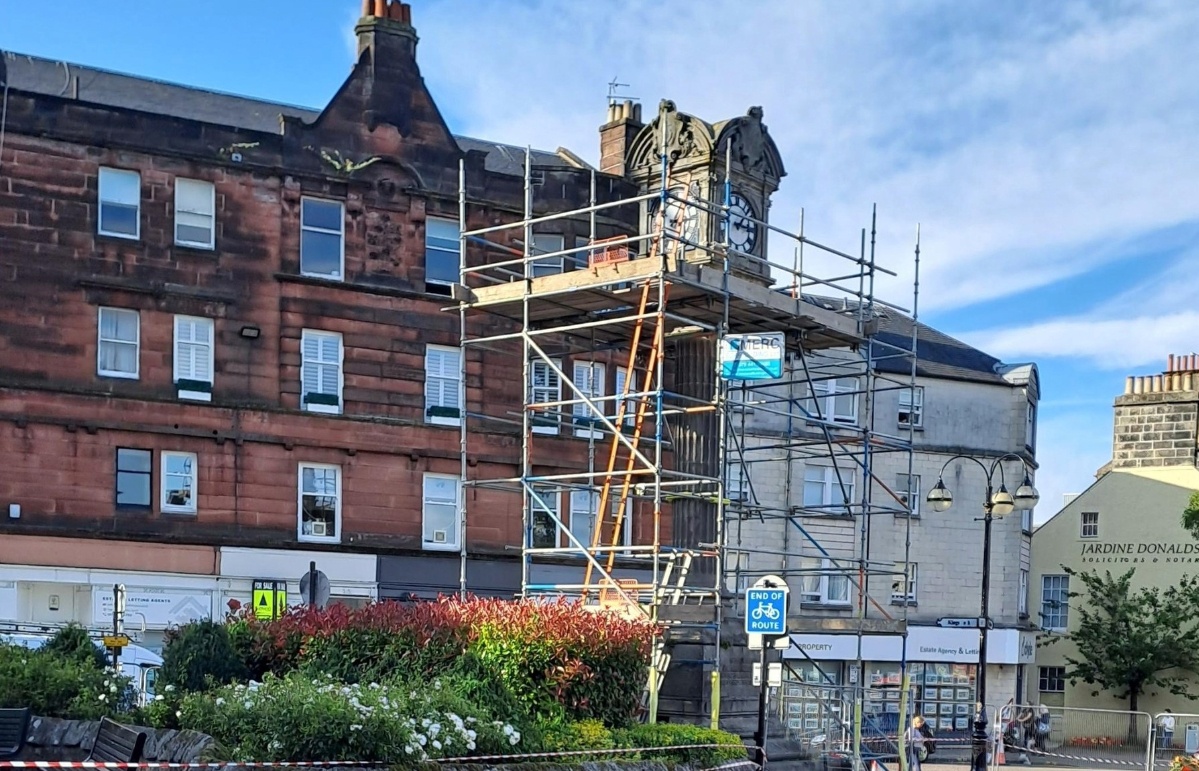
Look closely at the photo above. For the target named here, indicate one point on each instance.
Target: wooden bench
(116, 743)
(14, 727)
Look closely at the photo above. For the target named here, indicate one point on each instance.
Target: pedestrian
(914, 738)
(1165, 726)
(1041, 728)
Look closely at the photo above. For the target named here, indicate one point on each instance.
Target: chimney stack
(1157, 417)
(386, 29)
(617, 135)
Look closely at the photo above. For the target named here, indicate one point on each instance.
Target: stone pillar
(696, 439)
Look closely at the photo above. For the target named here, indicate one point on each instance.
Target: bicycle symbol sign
(766, 611)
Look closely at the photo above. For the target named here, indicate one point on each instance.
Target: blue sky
(1049, 151)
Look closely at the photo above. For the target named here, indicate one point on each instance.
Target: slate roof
(47, 76)
(937, 354)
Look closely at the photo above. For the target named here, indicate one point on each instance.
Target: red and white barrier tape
(361, 763)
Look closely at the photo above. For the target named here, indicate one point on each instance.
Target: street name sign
(964, 623)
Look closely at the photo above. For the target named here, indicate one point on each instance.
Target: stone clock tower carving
(697, 155)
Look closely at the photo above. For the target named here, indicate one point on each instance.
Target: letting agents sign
(752, 357)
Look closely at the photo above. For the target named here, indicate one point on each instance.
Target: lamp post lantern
(997, 503)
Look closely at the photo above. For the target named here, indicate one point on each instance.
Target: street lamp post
(997, 503)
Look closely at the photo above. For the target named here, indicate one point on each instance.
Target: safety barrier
(489, 759)
(1073, 737)
(1174, 735)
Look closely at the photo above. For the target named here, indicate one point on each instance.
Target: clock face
(681, 220)
(743, 231)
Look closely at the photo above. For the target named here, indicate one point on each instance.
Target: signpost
(965, 623)
(314, 578)
(752, 357)
(766, 615)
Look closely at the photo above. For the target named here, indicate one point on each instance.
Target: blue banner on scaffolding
(752, 357)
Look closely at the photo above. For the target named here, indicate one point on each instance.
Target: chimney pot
(1188, 381)
(380, 9)
(1138, 385)
(1194, 362)
(1128, 385)
(1170, 363)
(1157, 384)
(368, 6)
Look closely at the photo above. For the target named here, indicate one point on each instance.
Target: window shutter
(184, 356)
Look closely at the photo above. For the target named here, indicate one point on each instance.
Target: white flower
(249, 704)
(158, 697)
(220, 702)
(470, 746)
(178, 713)
(436, 744)
(355, 727)
(169, 688)
(421, 738)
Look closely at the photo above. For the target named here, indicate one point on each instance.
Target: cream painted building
(793, 521)
(1130, 518)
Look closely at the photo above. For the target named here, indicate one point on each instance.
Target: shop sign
(160, 608)
(1133, 552)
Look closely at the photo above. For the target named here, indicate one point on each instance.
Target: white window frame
(175, 508)
(592, 502)
(594, 385)
(822, 595)
(197, 349)
(431, 380)
(1026, 520)
(1061, 584)
(101, 342)
(553, 497)
(337, 503)
(908, 583)
(1088, 524)
(831, 485)
(107, 171)
(1030, 426)
(457, 251)
(551, 391)
(199, 187)
(547, 243)
(911, 407)
(318, 336)
(908, 488)
(340, 233)
(827, 391)
(452, 540)
(630, 406)
(1022, 598)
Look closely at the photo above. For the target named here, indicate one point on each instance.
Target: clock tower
(698, 154)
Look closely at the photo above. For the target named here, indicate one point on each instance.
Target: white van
(139, 664)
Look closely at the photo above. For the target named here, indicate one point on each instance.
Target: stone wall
(52, 738)
(1155, 429)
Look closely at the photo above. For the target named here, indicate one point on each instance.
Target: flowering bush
(52, 684)
(553, 658)
(296, 718)
(1184, 763)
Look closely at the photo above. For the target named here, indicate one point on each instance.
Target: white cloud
(1020, 137)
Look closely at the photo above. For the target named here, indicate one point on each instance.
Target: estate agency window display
(942, 693)
(812, 697)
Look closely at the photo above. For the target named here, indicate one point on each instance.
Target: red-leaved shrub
(552, 657)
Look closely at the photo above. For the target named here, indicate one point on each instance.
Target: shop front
(352, 577)
(824, 678)
(409, 577)
(54, 581)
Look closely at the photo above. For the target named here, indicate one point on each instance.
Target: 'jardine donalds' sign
(1140, 552)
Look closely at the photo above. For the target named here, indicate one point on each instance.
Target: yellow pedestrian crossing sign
(270, 599)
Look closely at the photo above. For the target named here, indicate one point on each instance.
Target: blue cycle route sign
(766, 612)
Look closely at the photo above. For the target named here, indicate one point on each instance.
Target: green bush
(562, 736)
(53, 685)
(72, 642)
(650, 738)
(295, 718)
(200, 656)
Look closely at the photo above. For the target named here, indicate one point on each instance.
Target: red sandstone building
(224, 349)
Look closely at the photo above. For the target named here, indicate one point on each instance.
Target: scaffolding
(657, 301)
